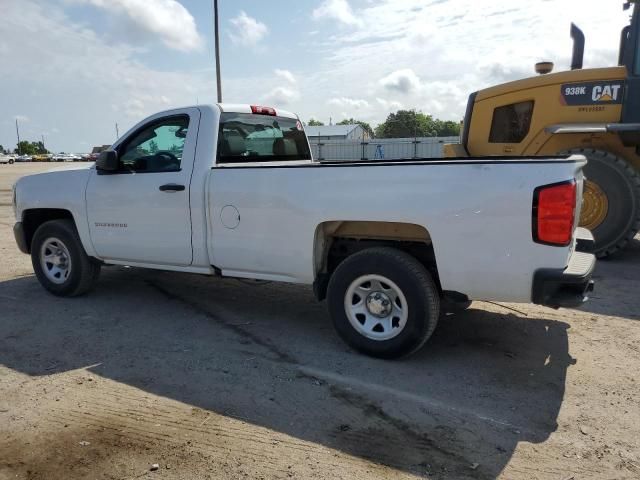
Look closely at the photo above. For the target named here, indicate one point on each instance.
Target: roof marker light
(258, 110)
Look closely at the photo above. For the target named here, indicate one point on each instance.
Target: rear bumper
(569, 287)
(584, 240)
(21, 238)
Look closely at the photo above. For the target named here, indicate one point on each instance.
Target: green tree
(352, 121)
(2, 150)
(176, 149)
(153, 147)
(315, 123)
(30, 148)
(409, 123)
(447, 128)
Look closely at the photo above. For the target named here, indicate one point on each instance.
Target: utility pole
(43, 147)
(117, 132)
(18, 134)
(217, 46)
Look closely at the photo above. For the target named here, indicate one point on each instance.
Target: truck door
(141, 212)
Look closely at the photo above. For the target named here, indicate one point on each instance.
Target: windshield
(246, 137)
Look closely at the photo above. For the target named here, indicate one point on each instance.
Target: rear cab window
(260, 138)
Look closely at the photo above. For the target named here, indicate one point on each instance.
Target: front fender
(62, 190)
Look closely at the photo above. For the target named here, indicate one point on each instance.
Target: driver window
(156, 148)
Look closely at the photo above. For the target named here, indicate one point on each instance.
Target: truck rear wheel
(59, 260)
(611, 200)
(383, 302)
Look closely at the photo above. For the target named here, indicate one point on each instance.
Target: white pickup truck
(232, 191)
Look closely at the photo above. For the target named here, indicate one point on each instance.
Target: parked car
(384, 242)
(24, 158)
(6, 159)
(42, 157)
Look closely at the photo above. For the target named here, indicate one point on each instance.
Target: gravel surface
(178, 376)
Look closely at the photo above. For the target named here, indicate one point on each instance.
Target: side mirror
(107, 162)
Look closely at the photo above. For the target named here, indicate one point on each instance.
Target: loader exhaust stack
(578, 47)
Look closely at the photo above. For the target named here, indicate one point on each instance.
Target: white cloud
(336, 10)
(403, 81)
(286, 75)
(247, 30)
(64, 74)
(282, 96)
(168, 19)
(352, 103)
(389, 105)
(446, 53)
(134, 108)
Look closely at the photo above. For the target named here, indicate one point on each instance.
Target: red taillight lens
(258, 110)
(554, 208)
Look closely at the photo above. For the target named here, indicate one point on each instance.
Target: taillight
(258, 110)
(554, 208)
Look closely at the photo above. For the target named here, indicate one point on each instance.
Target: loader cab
(517, 117)
(630, 58)
(593, 112)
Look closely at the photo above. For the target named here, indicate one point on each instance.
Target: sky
(71, 69)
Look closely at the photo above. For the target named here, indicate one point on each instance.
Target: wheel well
(335, 241)
(32, 219)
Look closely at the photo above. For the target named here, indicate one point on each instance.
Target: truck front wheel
(59, 260)
(383, 302)
(611, 200)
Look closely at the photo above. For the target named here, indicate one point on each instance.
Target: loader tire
(611, 200)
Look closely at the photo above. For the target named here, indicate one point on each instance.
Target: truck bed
(464, 205)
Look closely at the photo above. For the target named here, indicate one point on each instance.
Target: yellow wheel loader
(593, 112)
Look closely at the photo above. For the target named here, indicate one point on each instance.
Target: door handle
(171, 187)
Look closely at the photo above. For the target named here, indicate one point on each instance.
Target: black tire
(84, 270)
(414, 281)
(10, 162)
(620, 182)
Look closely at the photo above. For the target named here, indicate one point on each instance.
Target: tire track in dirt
(419, 447)
(110, 424)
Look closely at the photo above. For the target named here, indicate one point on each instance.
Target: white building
(336, 132)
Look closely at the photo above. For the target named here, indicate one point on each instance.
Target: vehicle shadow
(268, 354)
(617, 284)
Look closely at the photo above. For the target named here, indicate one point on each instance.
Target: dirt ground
(214, 378)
